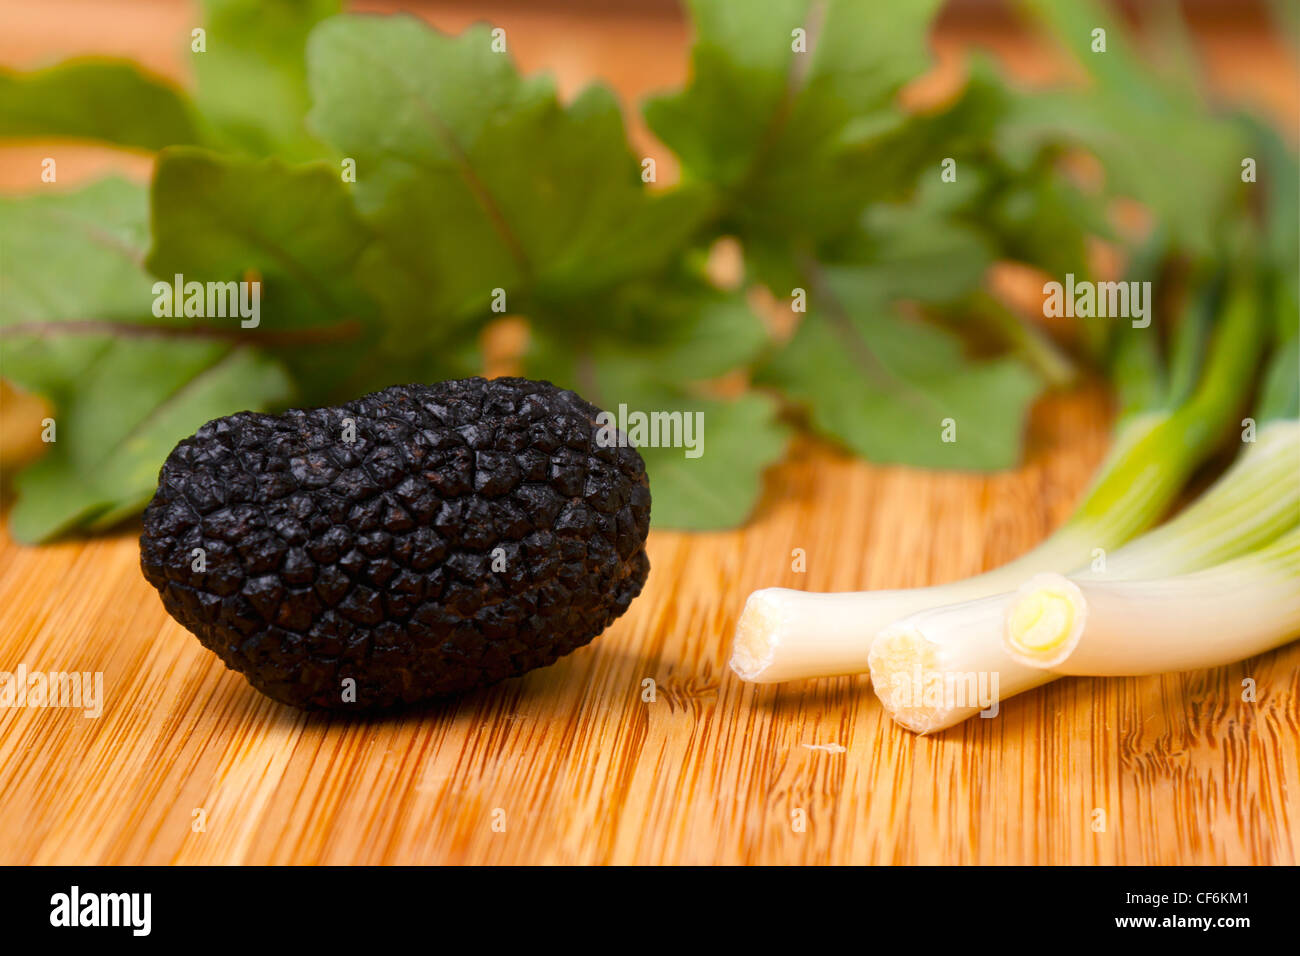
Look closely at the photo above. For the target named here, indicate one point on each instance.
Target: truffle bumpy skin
(377, 559)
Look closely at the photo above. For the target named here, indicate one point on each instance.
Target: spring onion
(786, 634)
(1213, 617)
(923, 664)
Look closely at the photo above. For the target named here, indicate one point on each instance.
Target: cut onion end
(757, 633)
(1044, 621)
(901, 657)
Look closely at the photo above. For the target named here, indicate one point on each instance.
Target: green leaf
(687, 335)
(97, 235)
(139, 399)
(1019, 200)
(472, 179)
(1158, 142)
(917, 251)
(795, 141)
(479, 179)
(718, 489)
(217, 217)
(108, 100)
(125, 387)
(220, 218)
(1040, 218)
(884, 386)
(713, 480)
(252, 77)
(676, 330)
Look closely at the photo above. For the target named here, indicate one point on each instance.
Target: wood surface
(579, 768)
(570, 764)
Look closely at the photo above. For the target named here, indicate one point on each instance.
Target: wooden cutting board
(188, 764)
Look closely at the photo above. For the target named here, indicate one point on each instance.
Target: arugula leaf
(699, 335)
(252, 82)
(295, 228)
(883, 385)
(918, 250)
(324, 273)
(109, 100)
(96, 234)
(218, 217)
(799, 145)
(471, 178)
(139, 399)
(1157, 141)
(125, 387)
(719, 489)
(794, 141)
(479, 179)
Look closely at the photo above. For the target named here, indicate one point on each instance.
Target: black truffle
(422, 540)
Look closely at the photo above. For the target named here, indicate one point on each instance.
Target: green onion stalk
(922, 665)
(1209, 618)
(786, 634)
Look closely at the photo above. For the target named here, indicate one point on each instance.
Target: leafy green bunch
(394, 189)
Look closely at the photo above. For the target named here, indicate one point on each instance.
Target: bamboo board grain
(578, 768)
